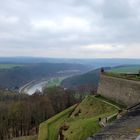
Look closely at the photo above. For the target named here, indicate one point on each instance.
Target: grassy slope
(126, 69)
(81, 126)
(48, 130)
(86, 123)
(110, 101)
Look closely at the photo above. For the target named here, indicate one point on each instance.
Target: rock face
(125, 128)
(123, 91)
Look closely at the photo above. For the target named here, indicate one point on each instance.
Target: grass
(9, 66)
(110, 101)
(26, 138)
(123, 75)
(126, 69)
(55, 81)
(49, 130)
(80, 126)
(86, 123)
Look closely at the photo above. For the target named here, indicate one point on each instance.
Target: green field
(9, 66)
(81, 126)
(126, 69)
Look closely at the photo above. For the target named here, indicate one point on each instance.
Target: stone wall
(122, 91)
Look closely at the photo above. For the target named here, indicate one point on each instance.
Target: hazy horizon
(45, 57)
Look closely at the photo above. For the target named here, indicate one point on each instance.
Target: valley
(69, 69)
(40, 101)
(38, 86)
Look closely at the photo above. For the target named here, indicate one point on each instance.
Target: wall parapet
(120, 90)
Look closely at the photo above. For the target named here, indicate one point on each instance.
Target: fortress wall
(122, 91)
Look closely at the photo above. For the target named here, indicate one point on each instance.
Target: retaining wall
(122, 91)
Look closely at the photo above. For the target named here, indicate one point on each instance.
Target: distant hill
(87, 80)
(18, 76)
(92, 63)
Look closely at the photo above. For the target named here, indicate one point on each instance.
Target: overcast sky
(70, 28)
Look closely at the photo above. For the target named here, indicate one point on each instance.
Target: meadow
(126, 69)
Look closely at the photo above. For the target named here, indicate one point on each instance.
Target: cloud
(102, 48)
(63, 25)
(101, 28)
(8, 19)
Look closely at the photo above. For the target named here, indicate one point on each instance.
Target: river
(31, 88)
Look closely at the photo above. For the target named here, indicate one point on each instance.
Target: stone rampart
(122, 91)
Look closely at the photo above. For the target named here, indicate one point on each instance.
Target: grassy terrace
(82, 121)
(111, 101)
(134, 77)
(49, 130)
(125, 69)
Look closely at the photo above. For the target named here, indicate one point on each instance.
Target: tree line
(21, 114)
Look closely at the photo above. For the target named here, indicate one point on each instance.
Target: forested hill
(83, 81)
(91, 79)
(18, 76)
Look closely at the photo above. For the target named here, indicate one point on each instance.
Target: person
(102, 70)
(101, 123)
(61, 136)
(119, 115)
(99, 119)
(106, 120)
(139, 73)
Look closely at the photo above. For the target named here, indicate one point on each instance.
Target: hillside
(77, 122)
(87, 80)
(14, 77)
(92, 63)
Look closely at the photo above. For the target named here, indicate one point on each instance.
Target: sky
(70, 28)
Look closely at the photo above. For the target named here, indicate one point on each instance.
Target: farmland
(126, 69)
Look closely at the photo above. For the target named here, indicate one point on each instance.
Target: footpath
(125, 128)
